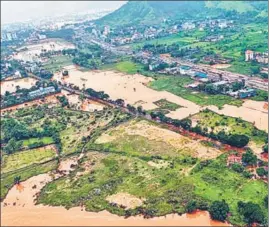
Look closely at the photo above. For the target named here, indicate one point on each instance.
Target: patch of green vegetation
(22, 159)
(261, 96)
(216, 122)
(182, 38)
(44, 140)
(176, 85)
(125, 66)
(166, 105)
(217, 182)
(56, 63)
(165, 190)
(7, 179)
(72, 127)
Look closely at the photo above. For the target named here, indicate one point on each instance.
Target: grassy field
(44, 140)
(134, 167)
(22, 159)
(183, 39)
(56, 63)
(176, 85)
(216, 122)
(166, 105)
(125, 66)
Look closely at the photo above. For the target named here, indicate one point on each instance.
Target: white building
(249, 55)
(188, 26)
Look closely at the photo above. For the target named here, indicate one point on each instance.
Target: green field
(125, 66)
(166, 105)
(22, 159)
(56, 63)
(44, 140)
(176, 85)
(213, 121)
(183, 39)
(126, 165)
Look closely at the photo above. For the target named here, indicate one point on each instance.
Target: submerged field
(216, 122)
(176, 85)
(128, 170)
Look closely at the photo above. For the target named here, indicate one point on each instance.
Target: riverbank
(19, 209)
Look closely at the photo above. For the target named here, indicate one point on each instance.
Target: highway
(254, 82)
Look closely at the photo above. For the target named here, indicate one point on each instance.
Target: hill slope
(153, 12)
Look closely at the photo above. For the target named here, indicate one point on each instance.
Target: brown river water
(19, 209)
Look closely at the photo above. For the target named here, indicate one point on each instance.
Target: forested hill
(154, 12)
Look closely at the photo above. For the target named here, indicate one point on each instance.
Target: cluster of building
(8, 72)
(8, 36)
(213, 38)
(35, 37)
(202, 77)
(41, 91)
(201, 25)
(256, 56)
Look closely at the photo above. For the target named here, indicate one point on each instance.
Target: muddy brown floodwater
(19, 209)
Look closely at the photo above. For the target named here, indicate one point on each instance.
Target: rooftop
(185, 67)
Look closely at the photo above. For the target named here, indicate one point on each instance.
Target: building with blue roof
(200, 75)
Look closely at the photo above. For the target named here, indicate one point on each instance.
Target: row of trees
(219, 210)
(235, 140)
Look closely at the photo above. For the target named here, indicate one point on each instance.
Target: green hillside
(154, 12)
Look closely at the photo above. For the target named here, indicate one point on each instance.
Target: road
(254, 82)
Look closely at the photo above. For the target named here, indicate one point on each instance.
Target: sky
(18, 11)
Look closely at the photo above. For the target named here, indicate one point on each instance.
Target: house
(262, 57)
(244, 93)
(41, 91)
(214, 38)
(41, 36)
(257, 56)
(249, 55)
(200, 75)
(184, 69)
(223, 24)
(194, 85)
(204, 80)
(219, 83)
(188, 26)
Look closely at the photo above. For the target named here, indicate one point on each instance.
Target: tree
(238, 140)
(249, 158)
(261, 172)
(219, 210)
(265, 148)
(12, 146)
(237, 168)
(17, 179)
(266, 201)
(186, 124)
(252, 212)
(191, 206)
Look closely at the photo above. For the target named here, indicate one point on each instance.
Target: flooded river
(19, 209)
